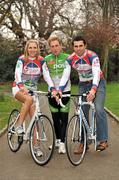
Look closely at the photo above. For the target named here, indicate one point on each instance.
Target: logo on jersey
(59, 66)
(96, 62)
(51, 62)
(32, 68)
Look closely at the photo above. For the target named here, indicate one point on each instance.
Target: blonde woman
(29, 68)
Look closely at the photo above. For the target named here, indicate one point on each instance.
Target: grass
(112, 98)
(6, 106)
(7, 102)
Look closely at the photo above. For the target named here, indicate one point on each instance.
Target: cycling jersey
(28, 71)
(87, 66)
(56, 66)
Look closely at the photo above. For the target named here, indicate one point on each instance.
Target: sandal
(102, 146)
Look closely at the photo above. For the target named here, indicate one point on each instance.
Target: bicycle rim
(14, 141)
(95, 133)
(74, 139)
(42, 132)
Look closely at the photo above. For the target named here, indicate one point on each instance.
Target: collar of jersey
(32, 58)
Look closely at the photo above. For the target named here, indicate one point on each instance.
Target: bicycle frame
(89, 129)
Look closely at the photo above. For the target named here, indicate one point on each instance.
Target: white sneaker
(37, 151)
(57, 143)
(19, 130)
(62, 149)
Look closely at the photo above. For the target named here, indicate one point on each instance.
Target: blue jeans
(101, 119)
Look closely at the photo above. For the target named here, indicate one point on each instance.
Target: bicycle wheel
(14, 141)
(74, 137)
(42, 132)
(95, 133)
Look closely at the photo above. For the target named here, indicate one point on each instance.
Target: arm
(96, 78)
(18, 73)
(46, 76)
(96, 72)
(65, 76)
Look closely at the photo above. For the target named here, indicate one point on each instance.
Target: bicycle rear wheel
(42, 130)
(14, 141)
(74, 137)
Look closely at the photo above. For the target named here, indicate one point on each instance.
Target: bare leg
(27, 101)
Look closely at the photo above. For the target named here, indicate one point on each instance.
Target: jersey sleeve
(46, 76)
(65, 76)
(18, 72)
(96, 72)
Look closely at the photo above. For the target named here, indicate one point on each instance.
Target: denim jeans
(101, 119)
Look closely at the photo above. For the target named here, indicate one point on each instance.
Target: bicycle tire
(14, 141)
(45, 139)
(73, 140)
(95, 133)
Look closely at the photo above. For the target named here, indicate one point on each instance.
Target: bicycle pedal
(20, 139)
(89, 141)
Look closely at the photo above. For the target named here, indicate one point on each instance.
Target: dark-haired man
(86, 63)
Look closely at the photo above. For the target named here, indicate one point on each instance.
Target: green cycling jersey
(56, 66)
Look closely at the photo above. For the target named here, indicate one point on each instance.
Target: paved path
(96, 166)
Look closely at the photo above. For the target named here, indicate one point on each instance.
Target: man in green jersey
(56, 63)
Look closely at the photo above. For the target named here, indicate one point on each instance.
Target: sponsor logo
(51, 62)
(59, 66)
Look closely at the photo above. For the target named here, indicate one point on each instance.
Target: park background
(96, 20)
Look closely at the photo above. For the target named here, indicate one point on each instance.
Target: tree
(101, 27)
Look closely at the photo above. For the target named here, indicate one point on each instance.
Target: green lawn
(7, 102)
(6, 106)
(112, 98)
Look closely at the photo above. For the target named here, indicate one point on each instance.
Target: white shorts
(15, 90)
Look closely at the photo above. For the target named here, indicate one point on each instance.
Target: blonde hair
(54, 38)
(27, 45)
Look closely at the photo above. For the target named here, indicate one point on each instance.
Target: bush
(9, 54)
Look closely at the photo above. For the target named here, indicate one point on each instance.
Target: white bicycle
(41, 125)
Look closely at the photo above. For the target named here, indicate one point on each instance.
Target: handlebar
(75, 95)
(43, 93)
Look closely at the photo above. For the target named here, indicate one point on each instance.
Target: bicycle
(79, 131)
(41, 125)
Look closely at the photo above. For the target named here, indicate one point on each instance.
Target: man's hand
(57, 94)
(91, 95)
(54, 93)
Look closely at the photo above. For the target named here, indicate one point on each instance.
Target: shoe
(62, 149)
(102, 146)
(19, 130)
(79, 149)
(37, 151)
(57, 143)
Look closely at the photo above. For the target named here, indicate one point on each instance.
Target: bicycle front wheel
(42, 136)
(14, 141)
(75, 136)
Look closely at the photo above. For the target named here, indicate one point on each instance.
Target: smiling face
(79, 47)
(32, 49)
(55, 47)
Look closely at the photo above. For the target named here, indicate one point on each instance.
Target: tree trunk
(104, 59)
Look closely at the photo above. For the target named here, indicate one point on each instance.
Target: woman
(29, 68)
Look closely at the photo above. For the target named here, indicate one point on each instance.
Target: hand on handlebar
(57, 94)
(91, 95)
